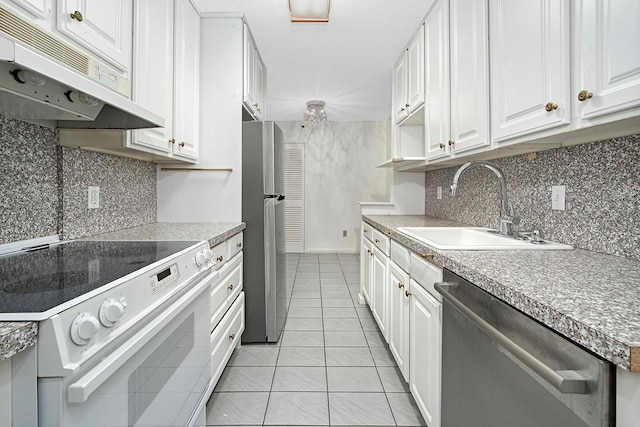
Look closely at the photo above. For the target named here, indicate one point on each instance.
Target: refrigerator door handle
(280, 197)
(271, 196)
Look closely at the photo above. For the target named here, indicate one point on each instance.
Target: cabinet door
(437, 127)
(365, 278)
(379, 285)
(398, 327)
(415, 71)
(608, 45)
(153, 71)
(259, 86)
(187, 75)
(425, 366)
(469, 49)
(529, 66)
(400, 105)
(105, 27)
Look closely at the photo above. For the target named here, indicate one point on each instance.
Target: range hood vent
(44, 81)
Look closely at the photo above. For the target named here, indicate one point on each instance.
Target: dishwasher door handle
(565, 381)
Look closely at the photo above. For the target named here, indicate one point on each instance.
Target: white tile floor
(331, 366)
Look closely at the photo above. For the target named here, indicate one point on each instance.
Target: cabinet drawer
(400, 255)
(220, 255)
(226, 336)
(225, 290)
(235, 245)
(381, 241)
(426, 274)
(367, 231)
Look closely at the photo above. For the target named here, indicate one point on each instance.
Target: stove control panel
(82, 331)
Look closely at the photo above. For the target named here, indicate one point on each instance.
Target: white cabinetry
(607, 57)
(399, 309)
(365, 271)
(254, 78)
(103, 27)
(379, 289)
(186, 99)
(5, 393)
(425, 327)
(530, 74)
(408, 79)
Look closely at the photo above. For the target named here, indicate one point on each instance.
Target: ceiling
(346, 62)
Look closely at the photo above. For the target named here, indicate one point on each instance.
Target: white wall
(212, 196)
(340, 172)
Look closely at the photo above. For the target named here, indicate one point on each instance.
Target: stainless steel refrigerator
(264, 278)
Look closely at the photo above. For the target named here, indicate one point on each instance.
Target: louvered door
(294, 202)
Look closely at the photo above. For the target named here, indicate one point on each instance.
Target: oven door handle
(80, 390)
(565, 381)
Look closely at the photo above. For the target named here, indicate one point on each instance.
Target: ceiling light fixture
(315, 116)
(309, 10)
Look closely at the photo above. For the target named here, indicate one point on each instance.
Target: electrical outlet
(94, 197)
(439, 192)
(558, 197)
(344, 233)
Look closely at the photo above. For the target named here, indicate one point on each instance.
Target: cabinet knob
(442, 145)
(366, 231)
(451, 142)
(584, 95)
(377, 241)
(407, 105)
(400, 285)
(230, 287)
(77, 16)
(181, 144)
(219, 258)
(232, 336)
(427, 256)
(239, 245)
(368, 251)
(402, 109)
(172, 140)
(551, 106)
(407, 294)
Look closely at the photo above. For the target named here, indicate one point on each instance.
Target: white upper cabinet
(37, 8)
(255, 78)
(408, 81)
(103, 27)
(469, 55)
(530, 76)
(153, 71)
(607, 52)
(186, 91)
(437, 121)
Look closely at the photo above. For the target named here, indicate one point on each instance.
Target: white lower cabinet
(399, 308)
(5, 393)
(425, 337)
(365, 270)
(379, 289)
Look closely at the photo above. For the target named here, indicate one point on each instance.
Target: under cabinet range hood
(44, 81)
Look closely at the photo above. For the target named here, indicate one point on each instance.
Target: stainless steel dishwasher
(501, 368)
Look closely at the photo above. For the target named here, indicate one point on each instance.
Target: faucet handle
(537, 235)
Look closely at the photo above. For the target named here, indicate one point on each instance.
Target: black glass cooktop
(37, 281)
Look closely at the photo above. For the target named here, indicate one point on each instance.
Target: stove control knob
(208, 254)
(110, 312)
(201, 259)
(84, 327)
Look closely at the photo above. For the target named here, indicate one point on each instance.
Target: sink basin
(475, 238)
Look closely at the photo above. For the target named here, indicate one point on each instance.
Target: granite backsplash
(45, 187)
(602, 182)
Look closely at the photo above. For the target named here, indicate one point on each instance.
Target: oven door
(156, 376)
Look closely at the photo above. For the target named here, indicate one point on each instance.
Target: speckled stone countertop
(213, 232)
(591, 298)
(16, 336)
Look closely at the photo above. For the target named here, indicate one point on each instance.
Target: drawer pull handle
(400, 286)
(232, 336)
(239, 245)
(408, 293)
(583, 95)
(366, 231)
(377, 241)
(181, 144)
(551, 106)
(441, 145)
(172, 140)
(230, 287)
(219, 258)
(77, 16)
(427, 256)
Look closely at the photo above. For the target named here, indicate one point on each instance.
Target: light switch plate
(439, 192)
(94, 197)
(558, 197)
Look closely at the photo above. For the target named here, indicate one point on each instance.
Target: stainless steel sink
(476, 238)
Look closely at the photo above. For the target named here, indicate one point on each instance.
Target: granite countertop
(589, 297)
(16, 336)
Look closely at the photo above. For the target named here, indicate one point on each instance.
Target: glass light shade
(315, 116)
(309, 10)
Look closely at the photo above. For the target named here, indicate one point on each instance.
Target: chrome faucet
(507, 217)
